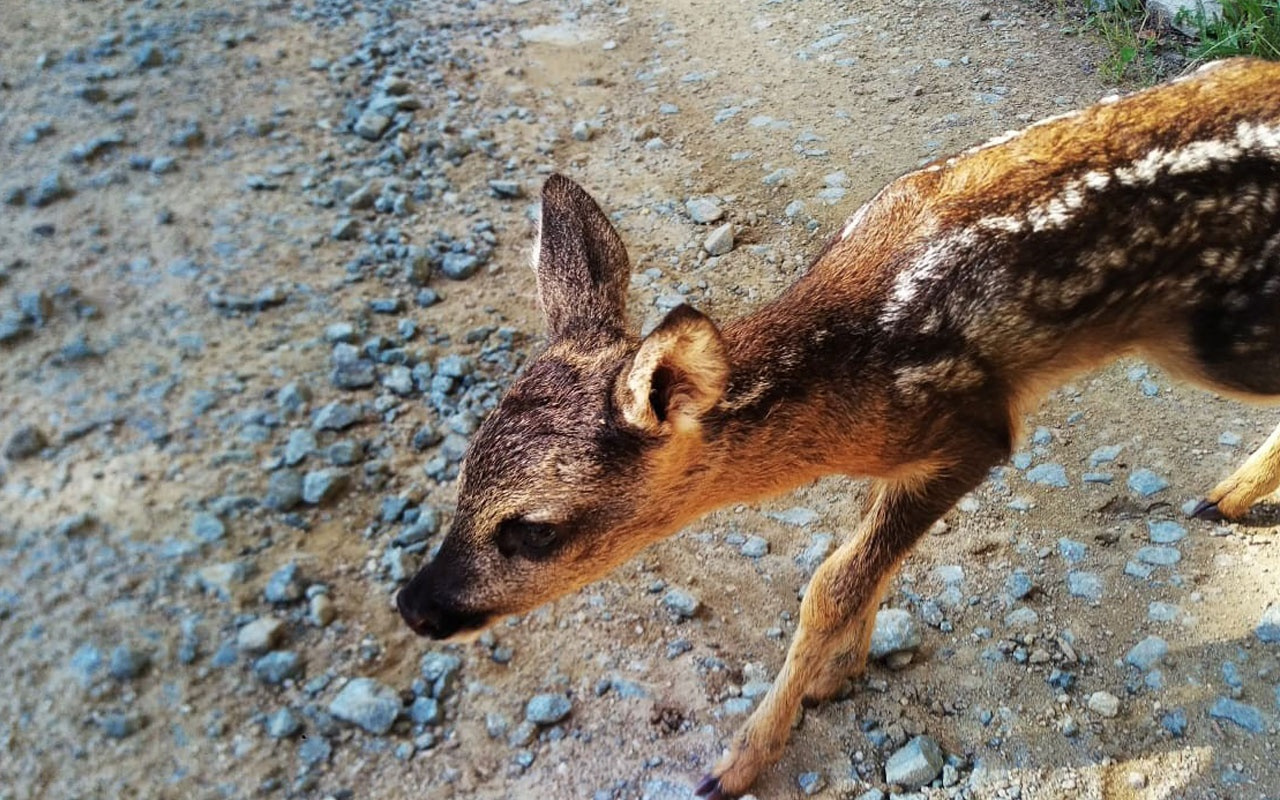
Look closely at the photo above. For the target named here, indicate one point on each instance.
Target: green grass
(1126, 29)
(1246, 28)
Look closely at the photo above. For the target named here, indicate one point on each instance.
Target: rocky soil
(262, 272)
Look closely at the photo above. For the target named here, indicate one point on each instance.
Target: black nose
(425, 617)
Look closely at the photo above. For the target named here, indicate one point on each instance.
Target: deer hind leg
(836, 613)
(1256, 478)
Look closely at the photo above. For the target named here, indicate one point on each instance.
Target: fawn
(944, 310)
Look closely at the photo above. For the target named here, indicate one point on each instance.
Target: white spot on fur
(925, 269)
(1256, 136)
(1008, 224)
(1097, 180)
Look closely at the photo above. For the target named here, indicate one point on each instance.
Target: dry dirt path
(223, 312)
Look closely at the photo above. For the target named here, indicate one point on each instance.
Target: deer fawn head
(594, 453)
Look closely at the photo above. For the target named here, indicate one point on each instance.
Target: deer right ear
(679, 373)
(581, 264)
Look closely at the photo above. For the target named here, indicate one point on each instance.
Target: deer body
(943, 311)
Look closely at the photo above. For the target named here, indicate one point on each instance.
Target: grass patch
(1246, 28)
(1131, 39)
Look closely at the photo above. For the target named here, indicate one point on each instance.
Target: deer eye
(526, 538)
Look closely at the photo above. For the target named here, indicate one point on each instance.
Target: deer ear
(679, 373)
(581, 265)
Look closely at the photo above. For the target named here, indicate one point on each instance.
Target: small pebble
(547, 709)
(1104, 704)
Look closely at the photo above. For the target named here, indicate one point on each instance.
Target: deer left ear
(679, 373)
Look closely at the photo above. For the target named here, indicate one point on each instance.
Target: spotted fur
(909, 352)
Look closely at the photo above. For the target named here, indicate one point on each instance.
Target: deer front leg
(836, 615)
(1256, 478)
(850, 658)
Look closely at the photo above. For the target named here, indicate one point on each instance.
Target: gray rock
(1071, 550)
(207, 527)
(284, 585)
(455, 366)
(1086, 585)
(1104, 704)
(522, 734)
(340, 332)
(1147, 653)
(811, 782)
(372, 124)
(895, 631)
(343, 453)
(302, 443)
(440, 671)
(704, 210)
(149, 55)
(400, 381)
(798, 516)
(356, 374)
(335, 417)
(1159, 556)
(563, 34)
(1018, 584)
(284, 490)
(293, 396)
(1022, 618)
(820, 546)
(547, 709)
(1144, 482)
(755, 547)
(459, 266)
(221, 579)
(119, 725)
(85, 663)
(315, 750)
(1180, 14)
(283, 724)
(1158, 611)
(1165, 532)
(1175, 722)
(506, 189)
(681, 604)
(720, 240)
(128, 662)
(320, 610)
(1054, 475)
(779, 177)
(1268, 628)
(50, 189)
(425, 711)
(1242, 714)
(260, 636)
(26, 441)
(324, 485)
(367, 703)
(915, 764)
(276, 667)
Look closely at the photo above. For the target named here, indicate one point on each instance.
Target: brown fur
(909, 353)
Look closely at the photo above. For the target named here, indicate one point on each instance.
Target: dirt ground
(166, 303)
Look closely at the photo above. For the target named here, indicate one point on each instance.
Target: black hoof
(710, 789)
(1207, 511)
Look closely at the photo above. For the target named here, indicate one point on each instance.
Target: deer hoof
(1207, 511)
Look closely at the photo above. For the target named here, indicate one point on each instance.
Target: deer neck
(794, 400)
